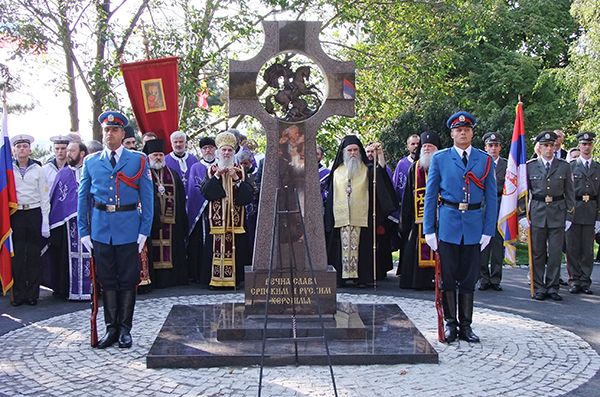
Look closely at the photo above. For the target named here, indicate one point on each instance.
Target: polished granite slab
(189, 338)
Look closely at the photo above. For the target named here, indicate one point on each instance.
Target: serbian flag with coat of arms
(153, 89)
(515, 187)
(8, 205)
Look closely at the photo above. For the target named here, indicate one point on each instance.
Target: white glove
(87, 243)
(141, 240)
(45, 230)
(485, 240)
(524, 222)
(431, 240)
(597, 227)
(568, 225)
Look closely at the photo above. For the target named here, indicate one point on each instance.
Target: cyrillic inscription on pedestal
(288, 291)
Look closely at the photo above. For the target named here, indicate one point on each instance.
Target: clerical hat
(430, 137)
(129, 132)
(207, 141)
(154, 146)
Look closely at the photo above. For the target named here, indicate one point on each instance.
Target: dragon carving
(289, 97)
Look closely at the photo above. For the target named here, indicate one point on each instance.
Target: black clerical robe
(386, 204)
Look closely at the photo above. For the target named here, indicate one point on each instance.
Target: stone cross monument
(285, 168)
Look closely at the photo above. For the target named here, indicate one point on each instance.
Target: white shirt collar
(118, 153)
(460, 151)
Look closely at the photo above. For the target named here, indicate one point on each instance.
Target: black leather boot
(449, 306)
(109, 299)
(465, 315)
(126, 306)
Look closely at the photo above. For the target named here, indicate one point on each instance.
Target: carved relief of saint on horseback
(289, 97)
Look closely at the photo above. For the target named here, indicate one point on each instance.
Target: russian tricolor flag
(348, 90)
(8, 205)
(515, 187)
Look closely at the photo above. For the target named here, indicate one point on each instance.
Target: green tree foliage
(475, 56)
(583, 73)
(79, 30)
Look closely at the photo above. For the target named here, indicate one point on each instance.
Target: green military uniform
(551, 205)
(580, 236)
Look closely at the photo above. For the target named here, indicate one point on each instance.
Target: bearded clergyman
(70, 276)
(349, 212)
(418, 263)
(227, 191)
(169, 228)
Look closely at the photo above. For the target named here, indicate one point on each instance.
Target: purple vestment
(63, 211)
(195, 202)
(181, 165)
(400, 174)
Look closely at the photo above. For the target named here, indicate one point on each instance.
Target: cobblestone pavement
(517, 357)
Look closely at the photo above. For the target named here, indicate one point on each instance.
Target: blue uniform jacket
(447, 178)
(98, 182)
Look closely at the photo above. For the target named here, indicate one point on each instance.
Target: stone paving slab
(517, 357)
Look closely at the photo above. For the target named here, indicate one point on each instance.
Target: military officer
(551, 212)
(586, 220)
(464, 178)
(491, 273)
(112, 223)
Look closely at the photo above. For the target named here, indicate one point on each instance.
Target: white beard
(296, 163)
(157, 164)
(352, 164)
(425, 160)
(226, 163)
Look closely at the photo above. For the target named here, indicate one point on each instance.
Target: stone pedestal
(224, 335)
(286, 289)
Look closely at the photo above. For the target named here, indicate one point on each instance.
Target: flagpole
(528, 232)
(529, 243)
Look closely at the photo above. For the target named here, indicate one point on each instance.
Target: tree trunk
(99, 91)
(67, 45)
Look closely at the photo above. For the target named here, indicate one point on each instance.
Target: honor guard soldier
(491, 272)
(551, 210)
(586, 220)
(464, 178)
(115, 208)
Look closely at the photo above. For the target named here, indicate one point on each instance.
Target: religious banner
(153, 88)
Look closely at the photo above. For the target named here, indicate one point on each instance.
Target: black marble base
(343, 325)
(188, 339)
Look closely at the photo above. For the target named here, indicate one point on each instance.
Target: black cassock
(411, 275)
(386, 204)
(178, 274)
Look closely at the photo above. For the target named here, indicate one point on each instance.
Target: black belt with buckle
(547, 199)
(114, 208)
(585, 198)
(461, 206)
